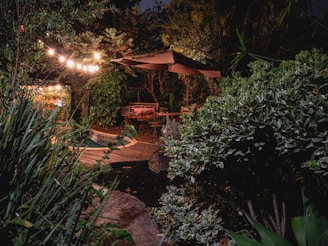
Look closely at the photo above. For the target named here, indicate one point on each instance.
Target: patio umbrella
(170, 61)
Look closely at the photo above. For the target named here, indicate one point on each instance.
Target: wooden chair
(156, 128)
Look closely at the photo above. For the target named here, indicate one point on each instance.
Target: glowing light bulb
(93, 68)
(96, 55)
(70, 63)
(90, 68)
(62, 59)
(51, 52)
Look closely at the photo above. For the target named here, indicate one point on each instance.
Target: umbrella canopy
(171, 61)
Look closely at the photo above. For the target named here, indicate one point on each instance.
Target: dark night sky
(151, 3)
(320, 7)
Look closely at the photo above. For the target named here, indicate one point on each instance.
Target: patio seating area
(146, 115)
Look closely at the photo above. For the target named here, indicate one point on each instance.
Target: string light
(61, 59)
(96, 56)
(70, 63)
(51, 52)
(91, 68)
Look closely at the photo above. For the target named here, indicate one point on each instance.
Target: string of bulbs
(91, 68)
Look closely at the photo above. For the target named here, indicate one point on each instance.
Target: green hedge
(252, 141)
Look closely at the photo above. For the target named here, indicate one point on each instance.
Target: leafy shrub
(81, 130)
(44, 190)
(251, 142)
(106, 97)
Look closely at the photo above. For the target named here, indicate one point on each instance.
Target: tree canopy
(23, 23)
(268, 29)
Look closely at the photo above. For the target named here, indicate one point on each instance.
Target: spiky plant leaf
(44, 188)
(315, 224)
(298, 229)
(242, 239)
(270, 237)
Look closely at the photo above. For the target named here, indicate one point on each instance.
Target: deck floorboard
(140, 151)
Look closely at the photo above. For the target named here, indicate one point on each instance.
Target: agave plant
(44, 190)
(309, 230)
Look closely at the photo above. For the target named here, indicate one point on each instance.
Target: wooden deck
(140, 151)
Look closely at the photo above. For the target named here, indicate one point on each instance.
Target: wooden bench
(144, 105)
(129, 109)
(139, 111)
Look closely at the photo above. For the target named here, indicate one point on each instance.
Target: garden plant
(44, 189)
(265, 135)
(311, 228)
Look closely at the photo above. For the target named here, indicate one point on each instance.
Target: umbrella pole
(186, 82)
(138, 95)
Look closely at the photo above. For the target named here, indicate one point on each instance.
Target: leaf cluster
(45, 191)
(23, 23)
(106, 97)
(255, 140)
(309, 229)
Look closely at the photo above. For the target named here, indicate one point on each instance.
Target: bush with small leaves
(252, 141)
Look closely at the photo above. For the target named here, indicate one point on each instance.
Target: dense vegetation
(23, 23)
(105, 97)
(208, 30)
(44, 189)
(264, 137)
(258, 137)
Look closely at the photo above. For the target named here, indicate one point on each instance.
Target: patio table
(144, 119)
(169, 114)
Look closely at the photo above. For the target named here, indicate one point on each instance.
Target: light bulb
(90, 68)
(96, 55)
(51, 52)
(62, 59)
(70, 63)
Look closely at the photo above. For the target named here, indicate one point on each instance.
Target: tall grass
(44, 190)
